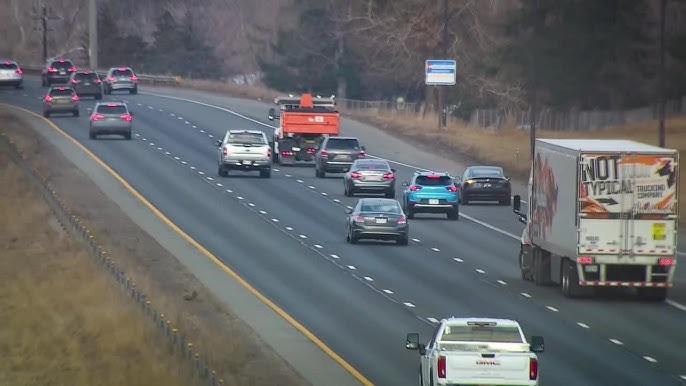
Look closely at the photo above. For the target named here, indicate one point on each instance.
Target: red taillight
(97, 117)
(402, 220)
(533, 369)
(433, 176)
(75, 98)
(389, 175)
(52, 69)
(324, 153)
(19, 71)
(72, 69)
(355, 175)
(224, 151)
(441, 367)
(111, 78)
(310, 150)
(269, 152)
(451, 188)
(584, 260)
(133, 78)
(359, 219)
(287, 153)
(127, 117)
(75, 81)
(665, 261)
(48, 98)
(415, 188)
(98, 81)
(361, 154)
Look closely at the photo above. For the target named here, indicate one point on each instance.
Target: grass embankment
(63, 321)
(508, 147)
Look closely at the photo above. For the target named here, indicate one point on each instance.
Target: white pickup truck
(477, 351)
(244, 150)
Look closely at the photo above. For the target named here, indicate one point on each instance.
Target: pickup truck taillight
(269, 153)
(361, 154)
(441, 367)
(533, 369)
(224, 151)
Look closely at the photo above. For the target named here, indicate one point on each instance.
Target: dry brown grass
(508, 146)
(62, 320)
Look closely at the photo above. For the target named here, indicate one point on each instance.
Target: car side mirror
(508, 178)
(131, 113)
(272, 114)
(90, 110)
(537, 344)
(348, 211)
(517, 203)
(392, 170)
(218, 142)
(412, 341)
(363, 148)
(405, 184)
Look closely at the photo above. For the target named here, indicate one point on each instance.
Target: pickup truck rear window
(499, 334)
(440, 181)
(8, 66)
(251, 138)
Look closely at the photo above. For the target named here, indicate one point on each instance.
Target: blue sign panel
(441, 72)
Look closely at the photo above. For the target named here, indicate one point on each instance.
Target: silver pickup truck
(476, 351)
(244, 150)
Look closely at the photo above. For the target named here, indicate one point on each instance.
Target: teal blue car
(430, 192)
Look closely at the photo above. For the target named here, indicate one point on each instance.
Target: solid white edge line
(489, 226)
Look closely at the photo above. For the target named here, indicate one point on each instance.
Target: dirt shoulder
(232, 348)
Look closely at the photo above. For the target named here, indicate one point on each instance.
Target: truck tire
(541, 269)
(265, 173)
(222, 171)
(454, 215)
(570, 280)
(526, 275)
(652, 294)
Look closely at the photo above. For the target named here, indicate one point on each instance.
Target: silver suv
(121, 78)
(11, 74)
(336, 155)
(110, 118)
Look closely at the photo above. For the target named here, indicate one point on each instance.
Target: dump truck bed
(299, 122)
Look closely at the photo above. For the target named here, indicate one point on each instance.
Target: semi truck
(600, 213)
(303, 123)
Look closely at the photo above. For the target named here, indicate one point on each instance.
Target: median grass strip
(63, 321)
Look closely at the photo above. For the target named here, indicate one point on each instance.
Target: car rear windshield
(65, 65)
(500, 334)
(343, 144)
(8, 66)
(122, 72)
(372, 166)
(86, 76)
(434, 181)
(251, 138)
(486, 172)
(114, 110)
(62, 92)
(381, 207)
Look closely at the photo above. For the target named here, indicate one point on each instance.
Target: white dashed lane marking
(275, 220)
(409, 304)
(240, 198)
(583, 325)
(435, 249)
(458, 259)
(263, 212)
(367, 278)
(416, 240)
(251, 204)
(301, 181)
(616, 341)
(318, 246)
(502, 282)
(352, 267)
(302, 236)
(481, 271)
(551, 308)
(526, 295)
(289, 228)
(335, 256)
(388, 291)
(432, 320)
(336, 200)
(650, 359)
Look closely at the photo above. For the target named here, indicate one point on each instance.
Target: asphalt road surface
(285, 235)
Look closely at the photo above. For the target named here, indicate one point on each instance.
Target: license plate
(371, 178)
(487, 185)
(381, 220)
(342, 156)
(63, 72)
(296, 148)
(247, 162)
(591, 268)
(433, 201)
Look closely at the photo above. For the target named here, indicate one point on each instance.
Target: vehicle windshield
(64, 65)
(486, 172)
(86, 76)
(111, 110)
(243, 138)
(61, 92)
(122, 72)
(496, 334)
(343, 144)
(380, 207)
(8, 66)
(372, 165)
(434, 180)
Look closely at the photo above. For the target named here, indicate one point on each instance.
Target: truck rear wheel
(570, 279)
(265, 173)
(652, 294)
(541, 271)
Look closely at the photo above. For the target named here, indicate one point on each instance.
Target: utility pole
(534, 81)
(44, 29)
(663, 97)
(93, 34)
(442, 116)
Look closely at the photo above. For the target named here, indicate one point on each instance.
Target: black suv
(57, 71)
(86, 82)
(336, 155)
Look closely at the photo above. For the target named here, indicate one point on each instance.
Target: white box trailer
(601, 213)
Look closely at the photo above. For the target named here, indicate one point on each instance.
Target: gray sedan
(377, 219)
(370, 176)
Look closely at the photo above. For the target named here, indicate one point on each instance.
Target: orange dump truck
(303, 122)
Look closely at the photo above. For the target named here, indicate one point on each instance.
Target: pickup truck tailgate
(488, 368)
(247, 151)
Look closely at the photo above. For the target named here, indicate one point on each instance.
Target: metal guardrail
(178, 341)
(154, 80)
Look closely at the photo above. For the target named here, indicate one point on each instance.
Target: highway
(285, 235)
